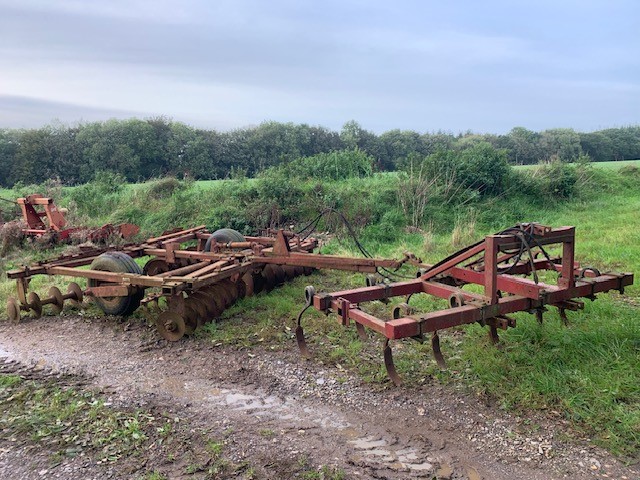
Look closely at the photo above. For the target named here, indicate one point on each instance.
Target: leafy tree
(562, 143)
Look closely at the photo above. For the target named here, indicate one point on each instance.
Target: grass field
(587, 375)
(615, 165)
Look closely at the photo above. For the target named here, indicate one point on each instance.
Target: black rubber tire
(121, 263)
(224, 235)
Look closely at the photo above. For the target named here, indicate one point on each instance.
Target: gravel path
(282, 408)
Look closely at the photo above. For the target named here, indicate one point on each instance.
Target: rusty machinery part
(171, 326)
(223, 236)
(155, 266)
(241, 288)
(231, 290)
(58, 300)
(258, 282)
(216, 299)
(500, 265)
(198, 308)
(13, 310)
(269, 275)
(280, 276)
(190, 319)
(456, 300)
(309, 293)
(389, 365)
(117, 262)
(249, 286)
(74, 294)
(289, 272)
(35, 304)
(219, 298)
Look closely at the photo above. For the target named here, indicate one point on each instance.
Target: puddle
(379, 449)
(445, 471)
(472, 473)
(269, 406)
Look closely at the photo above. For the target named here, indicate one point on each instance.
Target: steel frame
(503, 293)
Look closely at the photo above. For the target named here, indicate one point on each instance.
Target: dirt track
(307, 409)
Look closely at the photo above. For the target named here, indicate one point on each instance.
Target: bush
(338, 165)
(556, 179)
(165, 187)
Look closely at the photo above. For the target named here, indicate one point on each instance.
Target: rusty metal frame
(503, 293)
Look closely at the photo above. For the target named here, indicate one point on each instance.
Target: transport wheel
(224, 235)
(117, 262)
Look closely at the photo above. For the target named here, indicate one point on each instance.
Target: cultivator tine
(302, 343)
(563, 316)
(539, 315)
(493, 334)
(437, 353)
(309, 292)
(389, 365)
(362, 333)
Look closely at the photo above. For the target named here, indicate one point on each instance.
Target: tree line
(142, 149)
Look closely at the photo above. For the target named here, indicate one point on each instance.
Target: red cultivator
(194, 275)
(499, 265)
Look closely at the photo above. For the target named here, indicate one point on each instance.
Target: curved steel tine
(302, 343)
(361, 332)
(539, 313)
(563, 316)
(389, 365)
(493, 334)
(309, 292)
(437, 353)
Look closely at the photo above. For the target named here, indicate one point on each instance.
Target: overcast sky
(421, 65)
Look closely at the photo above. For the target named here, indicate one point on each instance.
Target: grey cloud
(25, 112)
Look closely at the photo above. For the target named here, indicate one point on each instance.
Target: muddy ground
(282, 410)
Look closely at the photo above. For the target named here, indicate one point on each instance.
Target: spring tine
(563, 316)
(389, 365)
(437, 353)
(309, 292)
(539, 317)
(361, 332)
(302, 343)
(493, 334)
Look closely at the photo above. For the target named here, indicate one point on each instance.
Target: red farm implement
(194, 275)
(42, 217)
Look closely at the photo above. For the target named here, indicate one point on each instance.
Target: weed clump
(11, 236)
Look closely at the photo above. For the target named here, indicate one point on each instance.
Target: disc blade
(170, 326)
